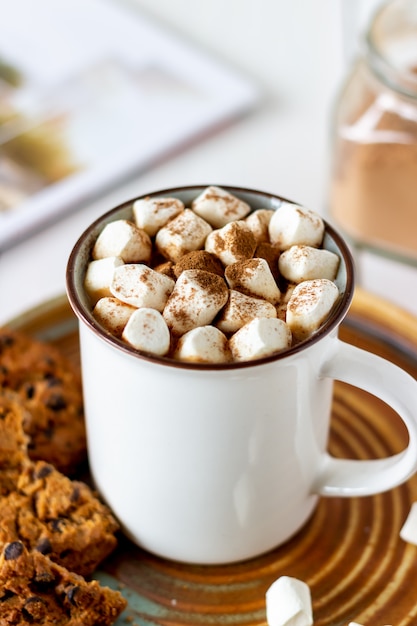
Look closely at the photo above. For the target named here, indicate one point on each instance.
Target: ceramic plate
(349, 553)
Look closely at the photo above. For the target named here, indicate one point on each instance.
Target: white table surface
(295, 51)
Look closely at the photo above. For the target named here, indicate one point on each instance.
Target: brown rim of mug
(339, 311)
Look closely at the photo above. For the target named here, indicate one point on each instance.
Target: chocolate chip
(71, 593)
(34, 608)
(42, 581)
(13, 550)
(53, 381)
(30, 391)
(6, 341)
(56, 524)
(75, 494)
(65, 553)
(49, 432)
(44, 546)
(43, 471)
(56, 402)
(7, 595)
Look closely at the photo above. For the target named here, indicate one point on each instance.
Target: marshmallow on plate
(241, 309)
(409, 530)
(99, 276)
(258, 222)
(141, 286)
(153, 213)
(253, 278)
(301, 262)
(292, 224)
(205, 344)
(309, 305)
(124, 239)
(195, 301)
(219, 207)
(146, 330)
(184, 233)
(234, 242)
(113, 314)
(288, 603)
(259, 338)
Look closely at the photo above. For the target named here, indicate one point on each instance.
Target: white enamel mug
(219, 463)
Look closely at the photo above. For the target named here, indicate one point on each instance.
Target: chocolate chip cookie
(34, 590)
(58, 517)
(13, 441)
(50, 388)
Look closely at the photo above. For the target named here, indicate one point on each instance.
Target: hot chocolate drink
(212, 282)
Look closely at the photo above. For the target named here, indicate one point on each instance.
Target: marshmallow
(197, 298)
(300, 263)
(288, 603)
(292, 224)
(259, 338)
(258, 222)
(99, 276)
(409, 530)
(205, 344)
(309, 305)
(241, 309)
(123, 239)
(253, 278)
(141, 286)
(113, 314)
(147, 331)
(219, 207)
(182, 234)
(234, 242)
(153, 213)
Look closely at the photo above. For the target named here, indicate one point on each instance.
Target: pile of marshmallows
(212, 283)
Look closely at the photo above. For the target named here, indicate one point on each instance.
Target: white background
(298, 51)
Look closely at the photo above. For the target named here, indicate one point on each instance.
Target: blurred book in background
(91, 92)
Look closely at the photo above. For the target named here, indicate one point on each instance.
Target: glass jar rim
(400, 79)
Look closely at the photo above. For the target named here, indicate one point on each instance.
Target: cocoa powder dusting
(166, 268)
(270, 253)
(198, 260)
(241, 269)
(230, 202)
(210, 283)
(306, 297)
(240, 241)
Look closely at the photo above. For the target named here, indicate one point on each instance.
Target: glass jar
(373, 189)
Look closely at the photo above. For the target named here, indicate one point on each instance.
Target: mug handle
(395, 387)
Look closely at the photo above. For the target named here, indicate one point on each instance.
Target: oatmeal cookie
(50, 388)
(34, 590)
